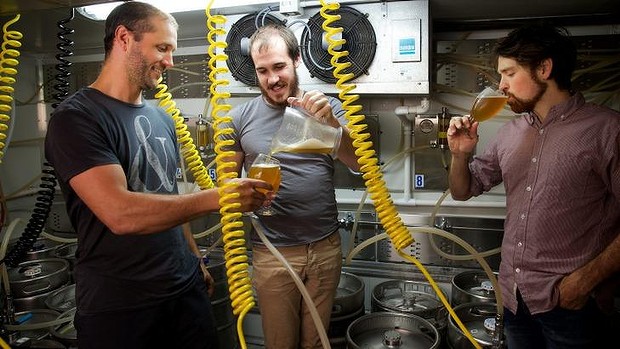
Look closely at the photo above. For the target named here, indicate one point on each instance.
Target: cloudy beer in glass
(488, 103)
(266, 168)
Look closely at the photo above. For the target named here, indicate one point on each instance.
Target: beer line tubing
(8, 60)
(373, 178)
(184, 137)
(235, 251)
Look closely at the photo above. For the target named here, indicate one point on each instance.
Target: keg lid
(407, 297)
(478, 318)
(391, 330)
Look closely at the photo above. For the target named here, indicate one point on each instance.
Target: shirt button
(528, 188)
(518, 270)
(522, 215)
(534, 160)
(519, 244)
(541, 131)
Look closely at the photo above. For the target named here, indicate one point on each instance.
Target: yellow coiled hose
(235, 251)
(184, 137)
(7, 64)
(373, 178)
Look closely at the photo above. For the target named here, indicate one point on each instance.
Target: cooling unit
(388, 45)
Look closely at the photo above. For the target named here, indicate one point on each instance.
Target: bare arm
(346, 151)
(104, 190)
(193, 246)
(462, 139)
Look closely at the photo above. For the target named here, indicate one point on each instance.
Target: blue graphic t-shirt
(119, 272)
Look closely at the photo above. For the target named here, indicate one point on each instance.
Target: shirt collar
(560, 111)
(567, 108)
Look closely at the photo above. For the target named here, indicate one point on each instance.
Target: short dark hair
(531, 44)
(135, 16)
(263, 34)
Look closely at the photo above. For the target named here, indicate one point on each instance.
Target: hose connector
(497, 342)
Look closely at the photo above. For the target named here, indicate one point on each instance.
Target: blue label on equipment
(406, 46)
(213, 174)
(418, 181)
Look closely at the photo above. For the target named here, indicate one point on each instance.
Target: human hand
(249, 197)
(573, 292)
(317, 104)
(209, 281)
(462, 135)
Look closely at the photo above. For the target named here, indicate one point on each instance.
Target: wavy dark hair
(531, 44)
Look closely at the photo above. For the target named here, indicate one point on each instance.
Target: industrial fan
(360, 39)
(239, 61)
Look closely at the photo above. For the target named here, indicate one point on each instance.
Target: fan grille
(240, 63)
(360, 39)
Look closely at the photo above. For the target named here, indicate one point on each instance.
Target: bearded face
(524, 105)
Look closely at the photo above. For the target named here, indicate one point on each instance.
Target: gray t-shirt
(306, 201)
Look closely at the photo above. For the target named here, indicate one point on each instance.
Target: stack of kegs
(348, 306)
(41, 290)
(411, 298)
(473, 299)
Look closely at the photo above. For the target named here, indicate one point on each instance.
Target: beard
(139, 72)
(519, 106)
(293, 89)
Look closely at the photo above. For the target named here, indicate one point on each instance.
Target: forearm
(143, 213)
(191, 242)
(603, 267)
(346, 151)
(459, 177)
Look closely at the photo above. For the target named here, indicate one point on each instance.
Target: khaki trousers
(286, 319)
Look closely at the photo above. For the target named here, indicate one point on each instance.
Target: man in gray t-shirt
(305, 226)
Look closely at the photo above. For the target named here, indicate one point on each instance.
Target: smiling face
(151, 54)
(524, 87)
(275, 70)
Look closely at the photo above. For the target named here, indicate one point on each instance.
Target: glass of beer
(266, 168)
(488, 103)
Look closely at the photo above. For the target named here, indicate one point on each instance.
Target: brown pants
(286, 319)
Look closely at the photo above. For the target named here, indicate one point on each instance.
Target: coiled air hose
(8, 60)
(44, 201)
(235, 251)
(61, 87)
(48, 183)
(386, 211)
(184, 137)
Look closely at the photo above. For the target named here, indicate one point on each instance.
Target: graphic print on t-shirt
(154, 155)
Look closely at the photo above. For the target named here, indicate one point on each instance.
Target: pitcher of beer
(301, 133)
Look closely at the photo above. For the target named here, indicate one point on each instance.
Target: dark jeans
(586, 328)
(184, 322)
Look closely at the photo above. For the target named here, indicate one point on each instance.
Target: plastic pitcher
(301, 133)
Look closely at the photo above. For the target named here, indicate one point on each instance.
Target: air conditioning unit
(388, 45)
